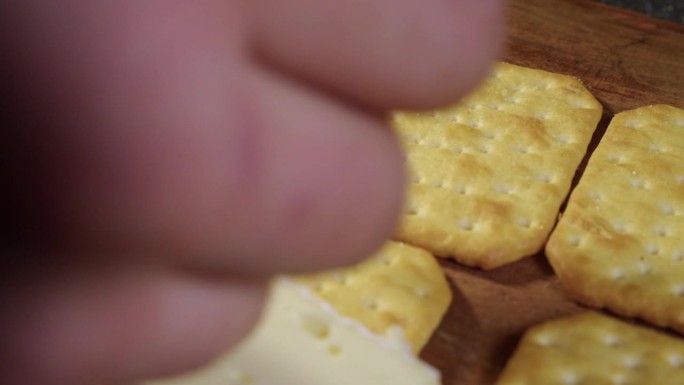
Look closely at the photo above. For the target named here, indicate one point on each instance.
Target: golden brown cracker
(400, 289)
(620, 242)
(489, 174)
(595, 349)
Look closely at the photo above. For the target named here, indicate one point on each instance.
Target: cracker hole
(631, 362)
(522, 149)
(544, 340)
(432, 143)
(334, 350)
(570, 378)
(619, 379)
(473, 124)
(339, 278)
(422, 293)
(643, 268)
(610, 340)
(618, 158)
(489, 135)
(541, 85)
(452, 118)
(660, 231)
(460, 189)
(679, 122)
(678, 290)
(411, 211)
(484, 149)
(561, 139)
(652, 249)
(541, 115)
(317, 287)
(667, 209)
(524, 223)
(370, 304)
(678, 255)
(675, 360)
(456, 149)
(466, 224)
(493, 106)
(503, 189)
(616, 273)
(511, 100)
(638, 183)
(437, 184)
(619, 226)
(579, 104)
(383, 260)
(655, 148)
(595, 196)
(680, 179)
(630, 123)
(544, 178)
(573, 240)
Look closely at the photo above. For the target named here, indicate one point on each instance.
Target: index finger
(384, 53)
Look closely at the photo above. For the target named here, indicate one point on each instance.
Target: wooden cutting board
(626, 60)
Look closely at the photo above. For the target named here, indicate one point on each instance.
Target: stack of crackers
(489, 178)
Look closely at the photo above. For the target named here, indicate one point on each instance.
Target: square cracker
(620, 242)
(592, 348)
(399, 289)
(489, 174)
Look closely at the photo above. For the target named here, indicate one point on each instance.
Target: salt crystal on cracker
(620, 242)
(595, 349)
(489, 174)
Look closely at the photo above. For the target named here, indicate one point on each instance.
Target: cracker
(489, 174)
(591, 348)
(400, 290)
(620, 242)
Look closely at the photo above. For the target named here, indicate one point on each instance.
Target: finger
(300, 184)
(114, 325)
(192, 158)
(385, 53)
(106, 97)
(329, 182)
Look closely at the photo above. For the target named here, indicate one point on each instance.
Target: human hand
(166, 157)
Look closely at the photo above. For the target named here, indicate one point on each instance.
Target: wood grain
(626, 60)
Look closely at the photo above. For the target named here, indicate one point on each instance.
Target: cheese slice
(303, 340)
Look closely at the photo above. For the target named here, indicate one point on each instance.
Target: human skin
(163, 158)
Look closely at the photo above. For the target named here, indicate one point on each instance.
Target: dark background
(672, 10)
